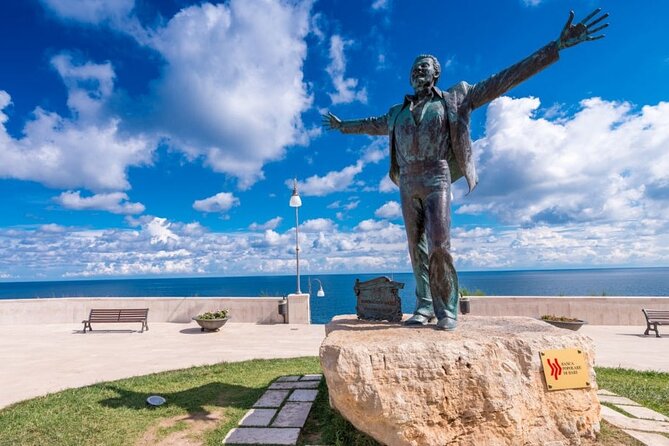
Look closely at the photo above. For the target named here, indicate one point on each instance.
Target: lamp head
(320, 292)
(295, 200)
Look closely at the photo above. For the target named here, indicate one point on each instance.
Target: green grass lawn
(650, 389)
(116, 413)
(204, 403)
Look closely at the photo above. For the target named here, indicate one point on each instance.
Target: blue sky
(142, 138)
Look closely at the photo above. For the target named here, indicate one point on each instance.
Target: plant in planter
(212, 321)
(563, 322)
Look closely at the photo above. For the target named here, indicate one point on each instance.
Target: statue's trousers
(425, 190)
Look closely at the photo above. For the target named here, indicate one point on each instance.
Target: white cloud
(345, 88)
(90, 11)
(389, 210)
(387, 185)
(193, 229)
(52, 227)
(158, 246)
(5, 100)
(371, 225)
(115, 202)
(317, 225)
(221, 202)
(532, 2)
(381, 4)
(88, 84)
(89, 150)
(115, 14)
(318, 21)
(376, 151)
(271, 238)
(269, 224)
(232, 88)
(341, 180)
(605, 244)
(381, 62)
(352, 204)
(334, 181)
(159, 231)
(591, 167)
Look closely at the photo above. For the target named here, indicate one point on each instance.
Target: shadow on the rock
(375, 326)
(192, 400)
(362, 325)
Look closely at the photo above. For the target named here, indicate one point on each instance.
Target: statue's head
(425, 71)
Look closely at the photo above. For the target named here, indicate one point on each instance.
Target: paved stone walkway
(40, 359)
(280, 413)
(644, 424)
(45, 358)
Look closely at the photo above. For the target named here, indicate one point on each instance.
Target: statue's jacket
(459, 100)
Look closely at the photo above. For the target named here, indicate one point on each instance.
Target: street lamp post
(320, 292)
(296, 202)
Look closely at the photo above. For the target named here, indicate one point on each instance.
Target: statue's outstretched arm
(367, 126)
(571, 35)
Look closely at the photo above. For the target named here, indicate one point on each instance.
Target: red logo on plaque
(556, 370)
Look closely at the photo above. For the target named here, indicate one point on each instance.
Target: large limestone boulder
(479, 385)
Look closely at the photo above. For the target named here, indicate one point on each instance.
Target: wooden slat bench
(104, 315)
(655, 318)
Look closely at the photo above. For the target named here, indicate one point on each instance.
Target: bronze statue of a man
(430, 147)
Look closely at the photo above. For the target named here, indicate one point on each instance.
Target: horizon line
(168, 277)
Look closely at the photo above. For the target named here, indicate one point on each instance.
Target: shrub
(550, 317)
(220, 314)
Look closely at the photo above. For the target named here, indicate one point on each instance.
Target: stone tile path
(280, 413)
(646, 425)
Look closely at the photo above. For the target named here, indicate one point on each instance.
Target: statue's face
(423, 74)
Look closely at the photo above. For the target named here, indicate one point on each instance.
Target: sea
(339, 296)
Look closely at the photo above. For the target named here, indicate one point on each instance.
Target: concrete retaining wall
(596, 310)
(161, 309)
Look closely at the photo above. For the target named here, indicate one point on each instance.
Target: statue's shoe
(447, 324)
(418, 319)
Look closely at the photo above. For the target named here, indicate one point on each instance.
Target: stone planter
(211, 324)
(569, 325)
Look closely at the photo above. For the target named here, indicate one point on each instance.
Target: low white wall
(596, 310)
(609, 310)
(161, 309)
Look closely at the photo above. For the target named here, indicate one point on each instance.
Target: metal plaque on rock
(565, 369)
(378, 300)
